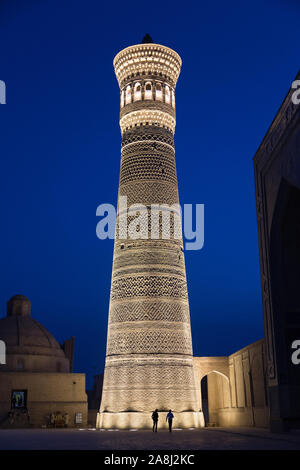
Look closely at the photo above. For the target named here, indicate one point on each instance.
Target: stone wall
(46, 393)
(236, 386)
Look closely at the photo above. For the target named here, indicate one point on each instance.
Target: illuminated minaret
(149, 358)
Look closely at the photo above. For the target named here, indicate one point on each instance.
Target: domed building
(36, 378)
(29, 346)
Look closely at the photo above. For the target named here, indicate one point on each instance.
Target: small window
(122, 99)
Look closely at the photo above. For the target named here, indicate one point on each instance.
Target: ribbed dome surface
(23, 334)
(29, 345)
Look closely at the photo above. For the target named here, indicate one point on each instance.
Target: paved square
(198, 439)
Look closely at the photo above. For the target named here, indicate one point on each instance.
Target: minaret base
(143, 420)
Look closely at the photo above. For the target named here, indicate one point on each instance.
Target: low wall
(257, 417)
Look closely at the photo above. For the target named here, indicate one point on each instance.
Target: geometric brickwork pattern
(166, 385)
(148, 286)
(150, 342)
(153, 165)
(149, 310)
(175, 259)
(149, 357)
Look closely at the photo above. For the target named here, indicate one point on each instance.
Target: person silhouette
(169, 418)
(155, 420)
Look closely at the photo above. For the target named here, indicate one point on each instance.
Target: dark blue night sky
(60, 154)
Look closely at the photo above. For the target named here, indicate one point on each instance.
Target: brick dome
(29, 345)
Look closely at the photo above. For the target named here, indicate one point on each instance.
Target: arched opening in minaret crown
(128, 95)
(148, 91)
(167, 94)
(137, 92)
(158, 92)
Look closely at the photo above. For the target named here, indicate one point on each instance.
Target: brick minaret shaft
(149, 359)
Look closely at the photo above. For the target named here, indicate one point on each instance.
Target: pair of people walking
(169, 418)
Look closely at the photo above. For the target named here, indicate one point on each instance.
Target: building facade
(37, 386)
(277, 185)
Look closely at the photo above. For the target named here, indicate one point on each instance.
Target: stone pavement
(197, 439)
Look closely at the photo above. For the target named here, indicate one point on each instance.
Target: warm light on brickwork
(149, 357)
